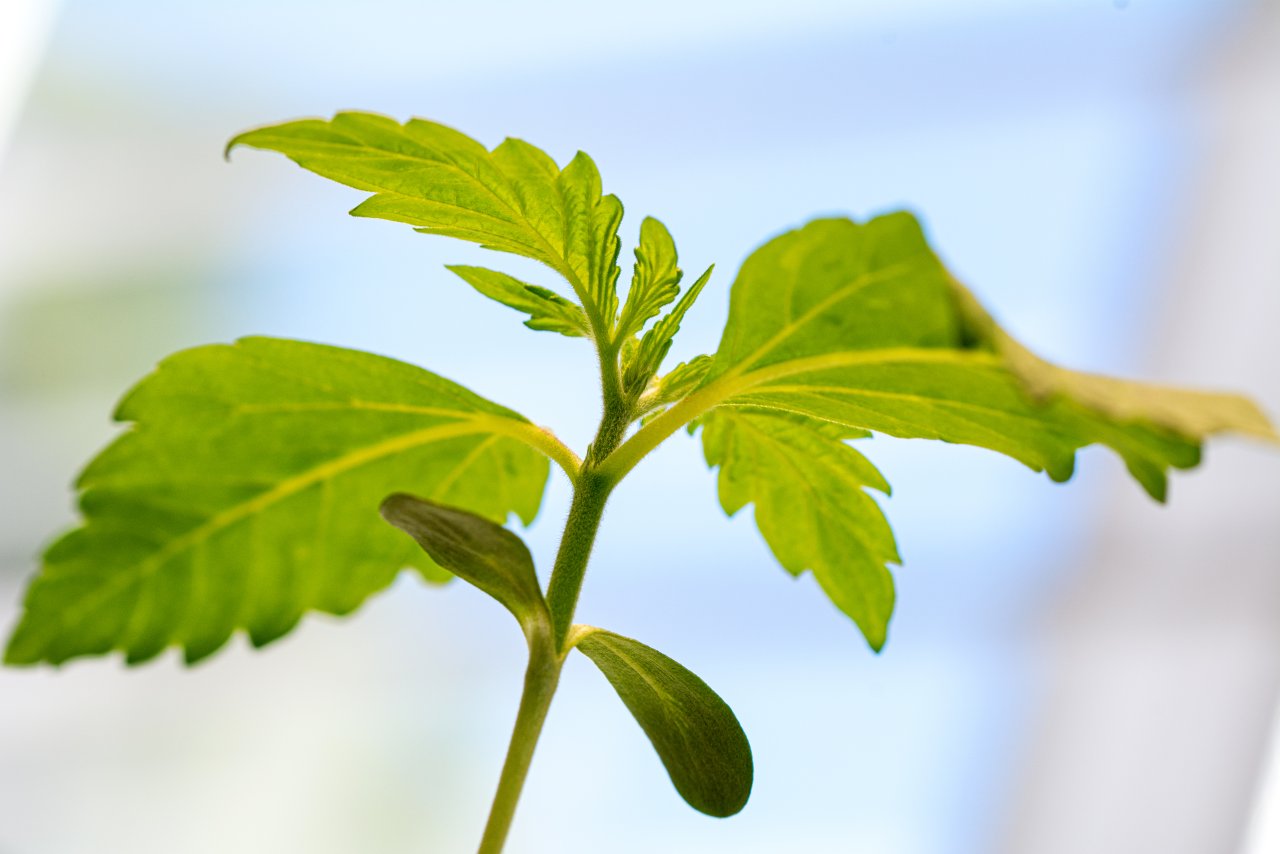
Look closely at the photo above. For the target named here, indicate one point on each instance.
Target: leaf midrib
(733, 383)
(666, 698)
(122, 580)
(793, 325)
(932, 402)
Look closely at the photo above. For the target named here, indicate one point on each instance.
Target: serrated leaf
(475, 549)
(1185, 412)
(811, 502)
(861, 325)
(513, 199)
(246, 494)
(694, 732)
(655, 280)
(547, 310)
(656, 343)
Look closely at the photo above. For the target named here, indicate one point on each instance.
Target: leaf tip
(1158, 489)
(237, 141)
(21, 650)
(195, 652)
(191, 656)
(1265, 428)
(14, 657)
(139, 656)
(392, 508)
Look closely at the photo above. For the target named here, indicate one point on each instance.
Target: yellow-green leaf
(642, 363)
(862, 325)
(246, 492)
(655, 281)
(513, 199)
(809, 489)
(547, 310)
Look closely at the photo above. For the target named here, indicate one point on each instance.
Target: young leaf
(675, 384)
(513, 199)
(474, 549)
(861, 325)
(653, 347)
(694, 732)
(656, 280)
(246, 494)
(811, 504)
(547, 310)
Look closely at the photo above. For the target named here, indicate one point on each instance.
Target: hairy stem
(616, 414)
(542, 439)
(540, 681)
(590, 492)
(548, 638)
(618, 462)
(575, 551)
(547, 651)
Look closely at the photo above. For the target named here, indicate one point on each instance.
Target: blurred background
(1070, 668)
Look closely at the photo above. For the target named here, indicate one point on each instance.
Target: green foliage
(1129, 416)
(246, 491)
(656, 280)
(639, 368)
(475, 549)
(809, 490)
(547, 310)
(246, 494)
(512, 199)
(667, 389)
(861, 325)
(694, 732)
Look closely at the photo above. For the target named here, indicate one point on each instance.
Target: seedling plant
(246, 490)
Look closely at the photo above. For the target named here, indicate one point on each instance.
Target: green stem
(575, 551)
(590, 493)
(616, 415)
(540, 681)
(547, 652)
(653, 434)
(548, 644)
